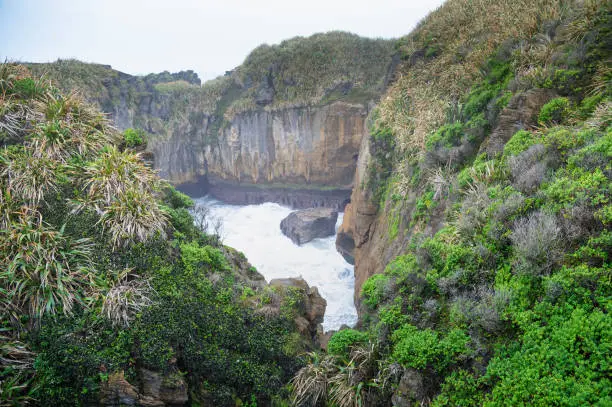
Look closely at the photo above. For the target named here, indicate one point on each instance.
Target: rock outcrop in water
(305, 225)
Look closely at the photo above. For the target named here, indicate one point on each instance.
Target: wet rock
(305, 225)
(245, 194)
(410, 391)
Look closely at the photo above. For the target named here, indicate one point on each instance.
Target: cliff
(479, 224)
(291, 116)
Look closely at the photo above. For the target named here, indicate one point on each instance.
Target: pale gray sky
(210, 37)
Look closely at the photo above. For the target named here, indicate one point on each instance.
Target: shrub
(133, 137)
(341, 342)
(177, 199)
(460, 388)
(537, 242)
(421, 348)
(529, 168)
(195, 257)
(373, 290)
(563, 361)
(519, 142)
(554, 112)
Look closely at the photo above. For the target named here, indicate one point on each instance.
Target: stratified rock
(305, 225)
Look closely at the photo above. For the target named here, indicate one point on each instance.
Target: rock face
(201, 140)
(303, 226)
(303, 145)
(157, 390)
(297, 198)
(521, 113)
(313, 307)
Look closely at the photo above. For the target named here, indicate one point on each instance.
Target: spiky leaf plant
(310, 384)
(29, 177)
(133, 216)
(116, 172)
(43, 270)
(128, 295)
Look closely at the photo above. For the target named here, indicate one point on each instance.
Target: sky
(209, 37)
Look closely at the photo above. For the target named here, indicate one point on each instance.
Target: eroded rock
(312, 310)
(305, 225)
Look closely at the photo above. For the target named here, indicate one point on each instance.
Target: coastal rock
(312, 310)
(303, 226)
(310, 145)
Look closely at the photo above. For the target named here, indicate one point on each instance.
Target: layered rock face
(304, 145)
(291, 117)
(303, 226)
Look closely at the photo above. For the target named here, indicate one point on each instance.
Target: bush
(133, 137)
(177, 199)
(341, 342)
(195, 258)
(419, 349)
(529, 168)
(563, 361)
(373, 290)
(519, 142)
(537, 242)
(554, 112)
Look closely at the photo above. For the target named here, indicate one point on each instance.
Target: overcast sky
(210, 37)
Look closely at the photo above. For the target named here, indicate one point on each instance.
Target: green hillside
(106, 284)
(491, 166)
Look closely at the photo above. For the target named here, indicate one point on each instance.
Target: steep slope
(292, 115)
(109, 293)
(480, 219)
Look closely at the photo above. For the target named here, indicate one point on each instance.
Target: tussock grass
(462, 34)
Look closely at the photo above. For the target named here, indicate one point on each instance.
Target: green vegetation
(501, 293)
(133, 137)
(104, 274)
(341, 342)
(554, 112)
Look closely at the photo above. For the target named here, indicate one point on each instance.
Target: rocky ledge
(298, 198)
(305, 225)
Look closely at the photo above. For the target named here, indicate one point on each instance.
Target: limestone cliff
(303, 145)
(291, 117)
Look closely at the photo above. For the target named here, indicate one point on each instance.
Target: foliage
(341, 342)
(554, 112)
(421, 348)
(43, 270)
(133, 137)
(92, 285)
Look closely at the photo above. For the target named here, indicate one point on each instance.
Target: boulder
(312, 306)
(305, 225)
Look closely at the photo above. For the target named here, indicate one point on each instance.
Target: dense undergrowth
(500, 290)
(103, 273)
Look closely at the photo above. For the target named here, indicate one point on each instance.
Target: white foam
(255, 230)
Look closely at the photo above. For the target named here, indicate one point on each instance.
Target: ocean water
(255, 230)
